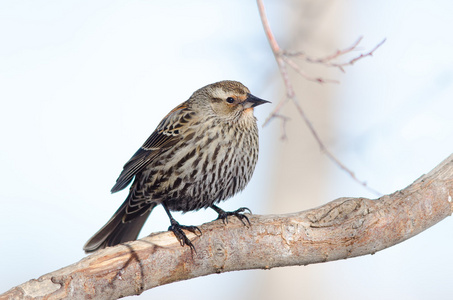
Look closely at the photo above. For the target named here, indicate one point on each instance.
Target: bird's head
(228, 100)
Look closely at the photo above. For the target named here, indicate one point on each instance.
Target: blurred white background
(84, 83)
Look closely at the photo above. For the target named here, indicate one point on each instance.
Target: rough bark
(341, 229)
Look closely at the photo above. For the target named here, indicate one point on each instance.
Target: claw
(238, 213)
(177, 230)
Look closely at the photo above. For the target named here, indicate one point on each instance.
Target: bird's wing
(167, 134)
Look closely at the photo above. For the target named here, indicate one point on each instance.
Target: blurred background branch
(283, 59)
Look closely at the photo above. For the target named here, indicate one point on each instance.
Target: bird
(203, 152)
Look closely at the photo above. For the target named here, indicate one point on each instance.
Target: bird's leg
(177, 230)
(238, 213)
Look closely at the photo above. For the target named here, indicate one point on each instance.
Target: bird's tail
(116, 231)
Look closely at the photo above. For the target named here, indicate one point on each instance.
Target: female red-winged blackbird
(204, 151)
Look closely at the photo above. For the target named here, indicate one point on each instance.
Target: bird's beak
(253, 101)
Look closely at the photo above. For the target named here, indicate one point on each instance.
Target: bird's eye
(230, 100)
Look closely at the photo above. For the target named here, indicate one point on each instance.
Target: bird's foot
(238, 213)
(177, 230)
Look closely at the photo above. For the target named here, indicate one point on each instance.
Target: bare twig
(330, 154)
(327, 60)
(285, 120)
(352, 61)
(337, 54)
(343, 228)
(283, 59)
(305, 75)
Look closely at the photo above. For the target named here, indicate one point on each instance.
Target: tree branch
(343, 228)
